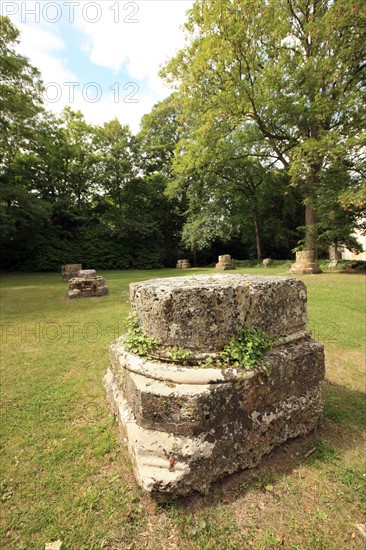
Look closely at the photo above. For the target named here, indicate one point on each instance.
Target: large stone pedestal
(305, 263)
(188, 426)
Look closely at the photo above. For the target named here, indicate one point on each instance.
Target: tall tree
(20, 105)
(160, 132)
(114, 168)
(159, 135)
(295, 69)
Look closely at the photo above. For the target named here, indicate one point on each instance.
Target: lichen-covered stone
(267, 262)
(210, 454)
(87, 273)
(187, 426)
(305, 263)
(183, 264)
(204, 312)
(69, 271)
(194, 405)
(87, 287)
(225, 263)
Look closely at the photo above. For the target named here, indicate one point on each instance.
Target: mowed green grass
(66, 475)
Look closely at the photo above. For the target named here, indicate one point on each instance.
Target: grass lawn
(65, 475)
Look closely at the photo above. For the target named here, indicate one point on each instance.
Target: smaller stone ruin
(225, 263)
(305, 263)
(87, 284)
(267, 262)
(69, 271)
(183, 264)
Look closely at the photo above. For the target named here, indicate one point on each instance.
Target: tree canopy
(294, 70)
(267, 121)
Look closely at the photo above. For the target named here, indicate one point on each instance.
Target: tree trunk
(311, 220)
(305, 259)
(194, 256)
(257, 235)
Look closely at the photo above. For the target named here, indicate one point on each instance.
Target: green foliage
(136, 341)
(211, 168)
(291, 71)
(180, 354)
(20, 105)
(158, 137)
(247, 350)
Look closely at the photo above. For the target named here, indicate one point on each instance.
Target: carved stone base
(183, 264)
(225, 263)
(189, 427)
(305, 263)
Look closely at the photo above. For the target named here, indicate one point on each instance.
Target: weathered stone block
(87, 287)
(225, 263)
(267, 262)
(305, 263)
(69, 271)
(183, 404)
(209, 455)
(189, 426)
(204, 312)
(87, 273)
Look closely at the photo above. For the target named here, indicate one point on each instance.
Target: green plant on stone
(247, 350)
(136, 341)
(180, 354)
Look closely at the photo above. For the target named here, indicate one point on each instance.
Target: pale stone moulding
(305, 263)
(225, 263)
(187, 427)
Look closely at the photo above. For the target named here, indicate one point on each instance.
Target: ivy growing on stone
(245, 351)
(136, 341)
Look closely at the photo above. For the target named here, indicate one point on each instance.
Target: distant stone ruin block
(87, 286)
(188, 425)
(87, 273)
(305, 263)
(183, 264)
(69, 271)
(225, 263)
(267, 262)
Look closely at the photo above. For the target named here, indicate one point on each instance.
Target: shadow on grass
(340, 429)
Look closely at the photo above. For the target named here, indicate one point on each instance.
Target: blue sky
(100, 57)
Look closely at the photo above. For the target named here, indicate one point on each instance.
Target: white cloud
(141, 36)
(45, 50)
(127, 113)
(141, 46)
(113, 41)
